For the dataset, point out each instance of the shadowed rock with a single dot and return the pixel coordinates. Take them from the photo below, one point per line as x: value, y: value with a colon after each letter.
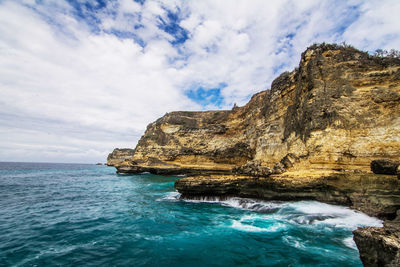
x: 384, y: 166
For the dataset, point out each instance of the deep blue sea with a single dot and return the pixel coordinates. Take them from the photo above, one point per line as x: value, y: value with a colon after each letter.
x: 87, y: 215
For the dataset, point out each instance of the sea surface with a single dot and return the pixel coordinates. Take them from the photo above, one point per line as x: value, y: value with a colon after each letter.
x: 87, y: 215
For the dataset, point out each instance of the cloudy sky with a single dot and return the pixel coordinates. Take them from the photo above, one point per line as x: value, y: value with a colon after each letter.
x: 79, y: 78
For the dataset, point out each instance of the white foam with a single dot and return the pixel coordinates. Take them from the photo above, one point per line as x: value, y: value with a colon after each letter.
x: 312, y: 213
x: 171, y: 196
x: 294, y: 242
x: 205, y: 199
x: 315, y: 207
x: 349, y: 242
x: 247, y: 228
x: 248, y: 224
x: 241, y: 203
x: 252, y: 204
x: 331, y: 215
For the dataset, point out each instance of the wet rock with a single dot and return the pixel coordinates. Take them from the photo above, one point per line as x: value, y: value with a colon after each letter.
x: 384, y: 166
x: 378, y: 246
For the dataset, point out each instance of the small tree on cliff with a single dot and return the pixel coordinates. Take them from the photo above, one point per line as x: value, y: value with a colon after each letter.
x: 392, y: 53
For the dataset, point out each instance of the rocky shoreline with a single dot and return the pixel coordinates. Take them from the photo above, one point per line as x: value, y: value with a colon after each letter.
x: 312, y: 136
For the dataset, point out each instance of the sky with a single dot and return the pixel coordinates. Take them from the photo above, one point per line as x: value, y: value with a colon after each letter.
x: 80, y: 78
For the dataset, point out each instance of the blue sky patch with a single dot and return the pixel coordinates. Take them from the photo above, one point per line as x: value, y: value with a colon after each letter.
x: 140, y: 1
x: 171, y: 25
x: 127, y: 35
x: 88, y: 10
x: 206, y: 97
x: 350, y: 16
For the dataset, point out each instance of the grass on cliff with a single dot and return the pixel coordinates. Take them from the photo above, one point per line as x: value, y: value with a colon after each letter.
x: 379, y: 53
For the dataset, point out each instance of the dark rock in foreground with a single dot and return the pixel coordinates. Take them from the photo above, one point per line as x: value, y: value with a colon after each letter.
x: 378, y: 246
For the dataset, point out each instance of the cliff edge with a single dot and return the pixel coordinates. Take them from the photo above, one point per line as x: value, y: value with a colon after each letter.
x: 313, y: 135
x: 119, y: 155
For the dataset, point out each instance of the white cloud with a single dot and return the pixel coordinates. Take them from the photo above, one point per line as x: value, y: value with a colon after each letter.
x: 378, y: 27
x: 66, y: 89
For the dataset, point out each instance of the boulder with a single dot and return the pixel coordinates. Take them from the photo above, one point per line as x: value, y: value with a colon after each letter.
x: 378, y: 246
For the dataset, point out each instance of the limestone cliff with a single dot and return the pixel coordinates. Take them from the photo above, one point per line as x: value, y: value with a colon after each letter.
x: 338, y: 111
x: 119, y: 155
x: 313, y: 135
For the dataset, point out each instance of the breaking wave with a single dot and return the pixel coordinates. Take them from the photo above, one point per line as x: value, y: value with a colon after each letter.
x: 256, y: 205
x: 273, y: 216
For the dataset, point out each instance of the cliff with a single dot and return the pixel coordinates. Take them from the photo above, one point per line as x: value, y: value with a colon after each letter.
x: 338, y: 111
x: 313, y: 135
x: 119, y: 155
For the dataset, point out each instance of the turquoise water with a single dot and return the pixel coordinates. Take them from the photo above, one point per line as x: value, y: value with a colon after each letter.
x: 75, y: 215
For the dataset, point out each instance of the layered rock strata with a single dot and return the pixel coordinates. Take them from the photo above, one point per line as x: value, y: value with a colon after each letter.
x: 313, y: 135
x: 338, y: 111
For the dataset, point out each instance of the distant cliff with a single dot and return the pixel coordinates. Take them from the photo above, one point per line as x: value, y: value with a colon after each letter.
x: 119, y: 155
x: 313, y: 135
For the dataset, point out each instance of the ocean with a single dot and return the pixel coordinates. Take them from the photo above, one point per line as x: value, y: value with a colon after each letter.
x: 87, y: 215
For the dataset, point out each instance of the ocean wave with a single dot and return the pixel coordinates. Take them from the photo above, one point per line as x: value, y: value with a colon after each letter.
x: 171, y: 196
x: 317, y: 213
x: 256, y: 205
x: 255, y: 223
x: 306, y: 213
x: 349, y: 242
x: 294, y: 242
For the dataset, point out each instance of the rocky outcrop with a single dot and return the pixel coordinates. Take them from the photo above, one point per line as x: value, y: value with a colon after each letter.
x: 119, y: 155
x: 378, y: 246
x: 313, y: 135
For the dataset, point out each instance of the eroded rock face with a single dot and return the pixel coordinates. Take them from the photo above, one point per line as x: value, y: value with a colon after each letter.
x: 119, y: 155
x: 378, y: 246
x: 312, y: 136
x: 339, y: 110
